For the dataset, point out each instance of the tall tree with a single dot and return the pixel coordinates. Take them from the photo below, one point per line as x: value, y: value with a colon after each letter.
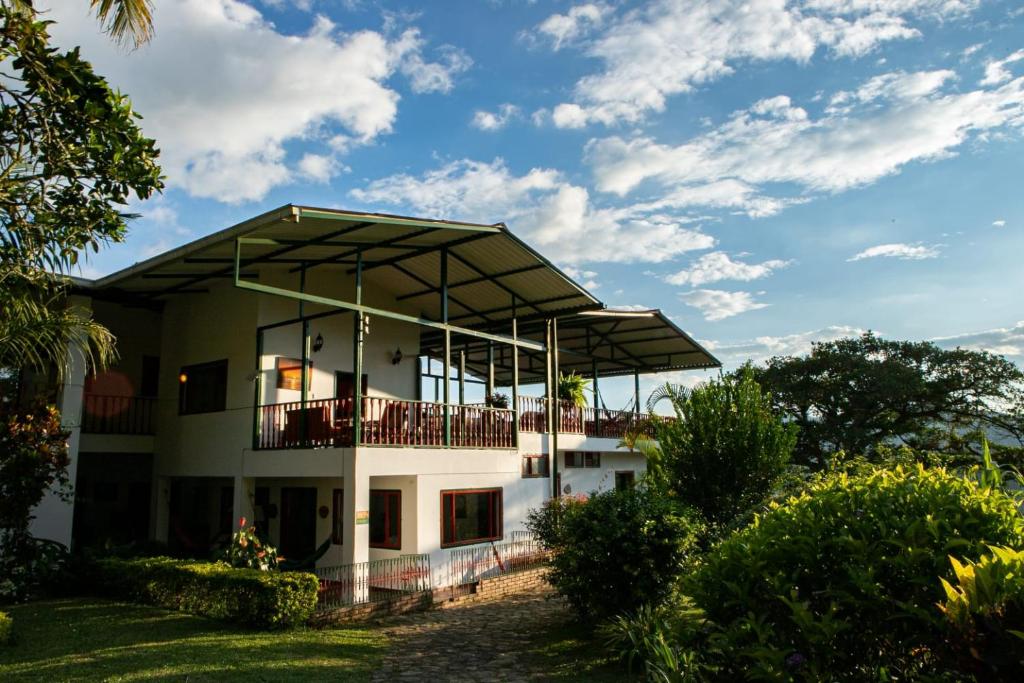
x: 852, y: 394
x: 71, y: 157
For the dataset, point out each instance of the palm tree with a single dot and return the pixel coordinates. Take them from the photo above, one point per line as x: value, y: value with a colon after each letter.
x: 126, y: 20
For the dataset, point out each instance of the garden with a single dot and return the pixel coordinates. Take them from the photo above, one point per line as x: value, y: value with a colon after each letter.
x: 757, y: 548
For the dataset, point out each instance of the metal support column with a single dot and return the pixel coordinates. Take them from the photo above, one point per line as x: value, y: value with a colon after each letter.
x: 557, y: 412
x: 597, y: 397
x: 515, y: 374
x: 304, y: 370
x: 257, y: 400
x: 358, y: 332
x: 636, y: 392
x: 447, y: 350
x: 462, y: 377
x: 490, y: 363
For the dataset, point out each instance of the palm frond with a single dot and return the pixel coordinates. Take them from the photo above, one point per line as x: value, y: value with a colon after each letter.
x: 126, y: 20
x: 673, y: 393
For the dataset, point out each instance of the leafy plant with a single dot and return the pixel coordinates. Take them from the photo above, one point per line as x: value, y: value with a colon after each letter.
x: 726, y: 449
x: 842, y: 580
x: 985, y: 609
x: 6, y: 627
x: 573, y: 388
x: 616, y: 550
x: 246, y: 550
x: 497, y: 400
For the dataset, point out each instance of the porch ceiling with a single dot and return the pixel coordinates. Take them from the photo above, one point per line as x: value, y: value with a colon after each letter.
x: 488, y: 266
x: 619, y: 342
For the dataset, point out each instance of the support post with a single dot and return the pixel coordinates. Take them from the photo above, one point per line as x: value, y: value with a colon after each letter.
x: 358, y: 328
x: 515, y: 373
x: 447, y: 350
x: 597, y: 398
x: 257, y: 401
x: 557, y: 413
x: 636, y: 392
x: 304, y: 371
x: 490, y: 360
x: 548, y: 397
x: 462, y: 377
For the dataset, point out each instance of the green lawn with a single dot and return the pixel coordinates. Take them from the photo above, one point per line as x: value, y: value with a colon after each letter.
x: 565, y: 653
x: 90, y: 639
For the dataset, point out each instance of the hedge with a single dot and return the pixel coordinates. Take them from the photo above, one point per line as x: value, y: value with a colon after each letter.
x: 262, y: 600
x: 6, y: 623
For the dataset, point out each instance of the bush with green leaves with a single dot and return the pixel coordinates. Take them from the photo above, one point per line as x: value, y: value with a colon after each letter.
x: 727, y: 448
x: 6, y: 626
x: 842, y: 581
x: 263, y: 600
x: 984, y: 607
x: 247, y: 551
x: 615, y: 550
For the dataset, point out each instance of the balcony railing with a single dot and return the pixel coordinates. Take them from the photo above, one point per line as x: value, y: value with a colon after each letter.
x: 384, y: 422
x: 612, y: 424
x: 118, y: 414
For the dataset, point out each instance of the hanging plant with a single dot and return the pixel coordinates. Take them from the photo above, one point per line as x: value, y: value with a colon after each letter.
x: 573, y: 388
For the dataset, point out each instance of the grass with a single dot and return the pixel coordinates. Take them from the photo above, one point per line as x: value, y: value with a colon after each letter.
x: 86, y: 639
x: 567, y: 653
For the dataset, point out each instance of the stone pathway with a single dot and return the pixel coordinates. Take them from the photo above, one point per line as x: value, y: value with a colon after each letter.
x: 469, y: 641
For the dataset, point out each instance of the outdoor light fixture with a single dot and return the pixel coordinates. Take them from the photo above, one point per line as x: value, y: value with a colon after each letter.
x: 183, y: 378
x: 397, y: 358
x: 318, y: 343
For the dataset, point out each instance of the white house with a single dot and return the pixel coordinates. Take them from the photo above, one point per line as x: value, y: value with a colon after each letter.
x: 236, y: 392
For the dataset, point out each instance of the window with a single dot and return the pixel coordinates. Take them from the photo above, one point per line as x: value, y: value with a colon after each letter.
x: 289, y: 373
x: 582, y: 459
x: 470, y: 516
x: 337, y: 516
x: 386, y: 519
x: 203, y: 388
x: 344, y: 385
x: 535, y: 466
x: 150, y: 376
x: 624, y: 480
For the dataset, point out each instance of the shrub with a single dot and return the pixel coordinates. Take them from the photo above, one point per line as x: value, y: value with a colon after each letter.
x: 615, y: 551
x: 985, y: 612
x: 6, y: 625
x: 264, y: 600
x: 247, y: 551
x: 727, y: 448
x: 843, y: 580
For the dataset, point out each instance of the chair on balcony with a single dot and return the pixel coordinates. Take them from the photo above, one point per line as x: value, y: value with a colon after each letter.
x: 317, y: 426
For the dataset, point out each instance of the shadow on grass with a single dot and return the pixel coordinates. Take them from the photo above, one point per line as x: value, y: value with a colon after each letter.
x: 88, y: 639
x: 565, y: 650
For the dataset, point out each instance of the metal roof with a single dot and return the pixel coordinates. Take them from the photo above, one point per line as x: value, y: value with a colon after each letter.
x: 489, y: 268
x: 618, y: 342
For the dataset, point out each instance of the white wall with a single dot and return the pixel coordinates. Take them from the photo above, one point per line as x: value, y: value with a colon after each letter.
x: 589, y: 479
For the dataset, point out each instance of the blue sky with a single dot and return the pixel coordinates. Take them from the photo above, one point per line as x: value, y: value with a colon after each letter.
x: 768, y: 173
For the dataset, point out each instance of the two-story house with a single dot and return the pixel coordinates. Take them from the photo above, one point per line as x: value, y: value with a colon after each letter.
x: 307, y: 369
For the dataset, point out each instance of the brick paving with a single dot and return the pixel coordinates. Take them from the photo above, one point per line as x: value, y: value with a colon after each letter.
x: 470, y: 640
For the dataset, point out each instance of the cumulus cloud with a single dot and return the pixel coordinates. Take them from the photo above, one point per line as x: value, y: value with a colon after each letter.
x: 587, y: 278
x: 562, y: 29
x: 717, y: 266
x: 775, y: 147
x: 996, y: 71
x: 488, y: 120
x: 224, y: 91
x: 1005, y: 341
x: 762, y: 348
x: 541, y: 206
x: 669, y: 47
x: 717, y: 304
x: 318, y: 167
x: 904, y: 252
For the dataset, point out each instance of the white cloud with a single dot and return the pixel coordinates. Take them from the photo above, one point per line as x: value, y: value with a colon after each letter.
x: 318, y: 167
x: 717, y: 266
x: 717, y: 304
x: 669, y: 47
x: 224, y: 91
x: 569, y: 116
x: 540, y: 205
x: 1005, y: 341
x: 487, y: 120
x: 904, y: 252
x: 562, y: 29
x: 999, y: 223
x: 996, y: 71
x: 587, y: 278
x: 864, y: 135
x: 760, y: 349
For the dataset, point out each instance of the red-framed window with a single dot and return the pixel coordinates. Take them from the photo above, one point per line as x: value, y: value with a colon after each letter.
x: 337, y: 516
x: 535, y: 466
x: 470, y: 516
x: 582, y: 459
x: 386, y: 519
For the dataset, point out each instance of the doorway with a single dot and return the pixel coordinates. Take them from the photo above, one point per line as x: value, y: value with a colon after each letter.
x: 298, y: 522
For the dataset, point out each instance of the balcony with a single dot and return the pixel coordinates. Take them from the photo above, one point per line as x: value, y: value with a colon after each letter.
x: 324, y: 423
x: 126, y: 415
x: 384, y: 422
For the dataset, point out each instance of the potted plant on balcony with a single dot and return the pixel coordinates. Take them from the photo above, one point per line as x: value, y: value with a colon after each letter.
x: 572, y: 395
x: 497, y: 400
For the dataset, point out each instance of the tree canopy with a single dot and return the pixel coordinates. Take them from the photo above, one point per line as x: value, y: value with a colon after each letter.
x: 72, y: 156
x: 851, y: 394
